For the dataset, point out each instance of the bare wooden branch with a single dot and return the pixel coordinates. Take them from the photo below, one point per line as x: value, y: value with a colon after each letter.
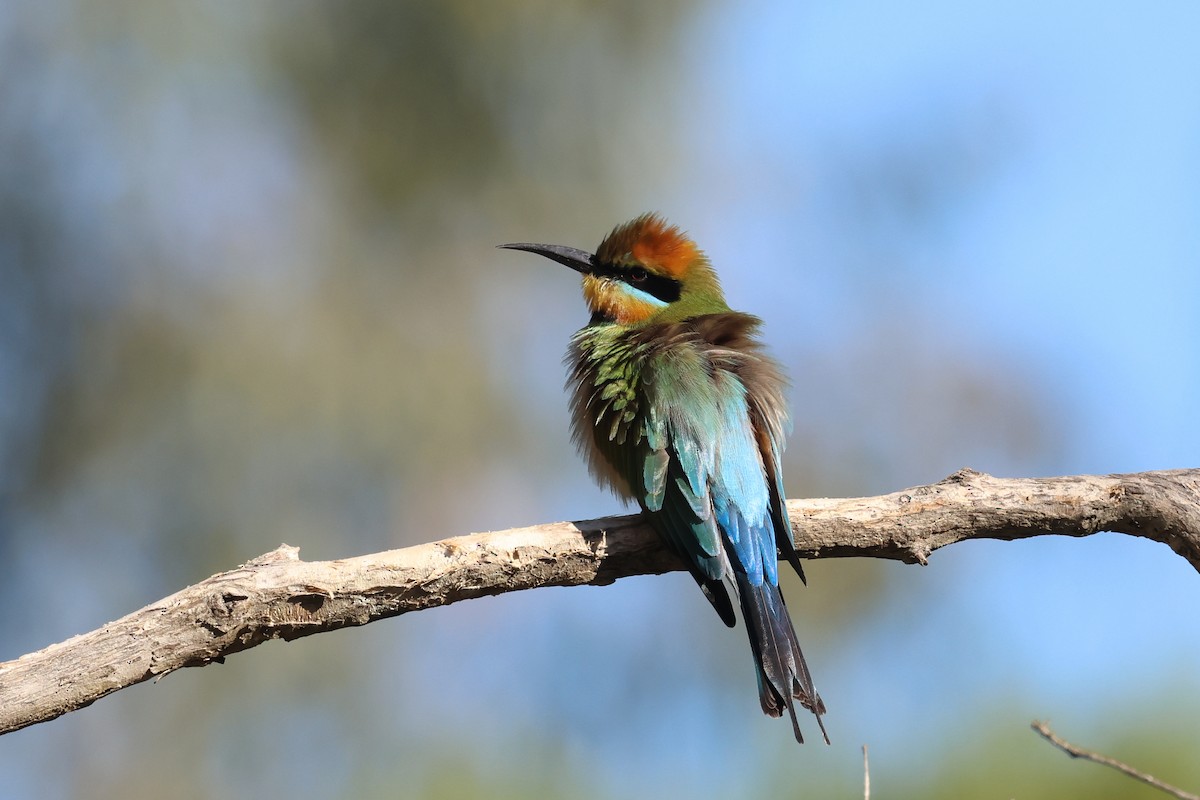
x: 278, y: 596
x: 1078, y: 752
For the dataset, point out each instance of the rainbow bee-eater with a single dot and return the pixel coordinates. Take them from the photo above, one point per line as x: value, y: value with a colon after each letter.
x: 676, y: 406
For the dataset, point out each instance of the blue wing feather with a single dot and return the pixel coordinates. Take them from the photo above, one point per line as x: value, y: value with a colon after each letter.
x: 700, y: 434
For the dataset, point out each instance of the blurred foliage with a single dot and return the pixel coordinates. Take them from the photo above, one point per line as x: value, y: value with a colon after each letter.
x: 248, y: 295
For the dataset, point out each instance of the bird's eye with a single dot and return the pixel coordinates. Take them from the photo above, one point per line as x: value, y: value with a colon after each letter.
x: 638, y: 274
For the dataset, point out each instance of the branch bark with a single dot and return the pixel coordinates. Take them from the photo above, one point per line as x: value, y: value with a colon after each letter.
x: 278, y: 596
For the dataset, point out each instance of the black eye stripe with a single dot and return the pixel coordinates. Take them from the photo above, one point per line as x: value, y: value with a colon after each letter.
x: 660, y: 286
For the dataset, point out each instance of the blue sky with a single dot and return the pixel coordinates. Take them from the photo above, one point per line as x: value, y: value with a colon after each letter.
x: 1077, y: 251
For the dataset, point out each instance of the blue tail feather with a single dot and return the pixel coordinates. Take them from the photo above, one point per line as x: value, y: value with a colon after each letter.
x: 783, y: 676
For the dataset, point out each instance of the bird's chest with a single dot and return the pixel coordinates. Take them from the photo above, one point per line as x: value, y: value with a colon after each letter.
x: 612, y: 382
x: 609, y: 376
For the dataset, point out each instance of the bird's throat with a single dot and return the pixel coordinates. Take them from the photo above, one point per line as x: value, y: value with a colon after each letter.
x: 619, y: 302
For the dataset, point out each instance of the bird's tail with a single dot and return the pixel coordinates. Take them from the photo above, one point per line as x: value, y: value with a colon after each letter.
x: 783, y: 677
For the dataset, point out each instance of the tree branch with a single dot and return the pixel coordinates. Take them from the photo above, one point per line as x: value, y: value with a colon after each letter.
x: 278, y: 596
x: 1075, y: 751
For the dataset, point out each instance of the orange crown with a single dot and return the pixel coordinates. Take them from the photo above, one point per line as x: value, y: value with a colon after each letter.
x: 651, y: 241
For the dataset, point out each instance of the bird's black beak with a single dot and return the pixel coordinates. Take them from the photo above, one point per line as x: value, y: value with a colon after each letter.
x: 578, y: 260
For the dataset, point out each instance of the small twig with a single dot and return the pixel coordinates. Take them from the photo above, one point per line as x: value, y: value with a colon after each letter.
x: 866, y: 776
x: 1078, y: 752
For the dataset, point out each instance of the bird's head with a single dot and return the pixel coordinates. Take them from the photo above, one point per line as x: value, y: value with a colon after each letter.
x: 644, y: 271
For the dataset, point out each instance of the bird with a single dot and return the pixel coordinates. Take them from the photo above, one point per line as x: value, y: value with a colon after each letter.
x: 676, y: 406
